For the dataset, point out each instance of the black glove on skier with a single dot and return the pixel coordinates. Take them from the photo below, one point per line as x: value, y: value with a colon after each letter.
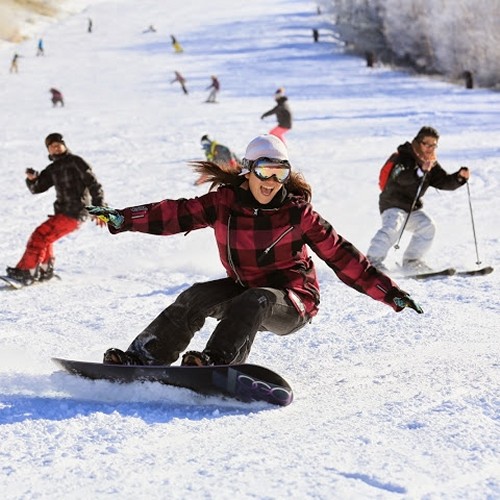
x: 407, y: 301
x: 107, y: 215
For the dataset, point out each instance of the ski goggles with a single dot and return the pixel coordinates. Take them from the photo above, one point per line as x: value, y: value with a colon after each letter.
x: 265, y: 168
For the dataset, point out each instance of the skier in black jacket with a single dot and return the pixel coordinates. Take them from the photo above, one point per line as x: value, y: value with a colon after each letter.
x: 415, y: 170
x: 283, y: 114
x: 76, y: 186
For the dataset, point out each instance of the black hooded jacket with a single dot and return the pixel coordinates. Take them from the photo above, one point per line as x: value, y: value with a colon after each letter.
x: 406, y: 177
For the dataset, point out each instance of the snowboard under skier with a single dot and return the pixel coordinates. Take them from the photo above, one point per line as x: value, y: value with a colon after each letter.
x: 263, y: 220
x: 76, y: 186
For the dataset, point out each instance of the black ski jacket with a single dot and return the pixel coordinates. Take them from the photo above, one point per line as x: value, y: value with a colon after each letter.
x: 406, y: 177
x: 75, y: 184
x: 282, y: 112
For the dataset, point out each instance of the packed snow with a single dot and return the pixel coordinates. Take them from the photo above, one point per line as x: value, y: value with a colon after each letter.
x: 386, y: 405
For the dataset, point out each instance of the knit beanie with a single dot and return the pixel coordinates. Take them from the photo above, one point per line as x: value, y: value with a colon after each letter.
x: 54, y: 137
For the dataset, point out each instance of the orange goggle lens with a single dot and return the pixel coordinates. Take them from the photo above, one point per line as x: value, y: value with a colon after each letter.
x: 265, y: 170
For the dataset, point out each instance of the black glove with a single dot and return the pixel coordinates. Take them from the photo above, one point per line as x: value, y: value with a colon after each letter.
x: 407, y: 301
x: 106, y: 214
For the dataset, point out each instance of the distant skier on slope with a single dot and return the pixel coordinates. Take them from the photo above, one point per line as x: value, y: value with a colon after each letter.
x: 218, y: 154
x: 214, y: 88
x: 176, y: 45
x: 57, y: 97
x: 283, y: 114
x: 182, y: 81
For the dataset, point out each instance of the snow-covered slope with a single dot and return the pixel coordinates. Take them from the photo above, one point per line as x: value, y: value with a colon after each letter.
x: 387, y: 405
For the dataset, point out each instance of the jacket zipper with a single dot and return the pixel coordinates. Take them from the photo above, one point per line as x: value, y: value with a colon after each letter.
x: 229, y: 257
x: 275, y: 242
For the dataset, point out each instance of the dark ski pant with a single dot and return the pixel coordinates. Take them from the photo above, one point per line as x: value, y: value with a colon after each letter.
x: 241, y: 312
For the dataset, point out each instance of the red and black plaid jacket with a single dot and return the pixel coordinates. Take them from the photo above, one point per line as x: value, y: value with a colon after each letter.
x: 262, y: 247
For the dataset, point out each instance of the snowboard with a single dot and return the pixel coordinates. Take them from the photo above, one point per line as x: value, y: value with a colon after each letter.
x: 11, y: 283
x: 17, y: 285
x: 244, y: 382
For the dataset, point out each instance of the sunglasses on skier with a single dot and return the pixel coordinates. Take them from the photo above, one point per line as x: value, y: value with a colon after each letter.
x: 432, y: 145
x: 265, y: 168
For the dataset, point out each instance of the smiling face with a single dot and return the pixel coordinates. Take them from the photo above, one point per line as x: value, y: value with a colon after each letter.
x: 426, y: 147
x: 56, y: 148
x: 263, y: 190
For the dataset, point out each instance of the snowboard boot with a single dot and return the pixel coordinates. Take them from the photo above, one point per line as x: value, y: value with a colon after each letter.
x: 205, y: 358
x: 118, y: 357
x: 24, y: 276
x: 46, y: 271
x: 195, y: 358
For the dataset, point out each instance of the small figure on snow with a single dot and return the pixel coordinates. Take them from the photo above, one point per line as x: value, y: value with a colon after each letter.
x: 219, y: 154
x: 405, y: 177
x: 150, y: 29
x: 263, y: 222
x: 283, y: 114
x: 469, y: 79
x: 176, y: 45
x: 370, y: 58
x: 14, y: 68
x: 214, y: 88
x: 90, y: 25
x: 39, y: 50
x: 179, y: 78
x: 57, y: 97
x: 75, y: 185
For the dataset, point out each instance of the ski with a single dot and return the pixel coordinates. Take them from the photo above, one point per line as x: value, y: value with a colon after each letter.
x: 476, y: 272
x: 450, y: 271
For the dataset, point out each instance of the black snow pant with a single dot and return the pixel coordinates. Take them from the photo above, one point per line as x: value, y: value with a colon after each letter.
x: 241, y: 312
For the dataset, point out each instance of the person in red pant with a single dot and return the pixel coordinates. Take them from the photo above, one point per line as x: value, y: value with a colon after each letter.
x: 75, y: 185
x: 283, y: 114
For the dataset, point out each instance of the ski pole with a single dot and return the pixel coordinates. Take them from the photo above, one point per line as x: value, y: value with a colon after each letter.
x: 478, y: 261
x: 420, y: 186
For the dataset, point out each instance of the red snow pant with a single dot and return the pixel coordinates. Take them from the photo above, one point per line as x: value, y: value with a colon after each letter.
x: 39, y: 249
x: 279, y: 132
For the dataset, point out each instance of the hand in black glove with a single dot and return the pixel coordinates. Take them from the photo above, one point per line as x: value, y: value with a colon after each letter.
x: 31, y: 174
x: 107, y: 215
x: 407, y: 301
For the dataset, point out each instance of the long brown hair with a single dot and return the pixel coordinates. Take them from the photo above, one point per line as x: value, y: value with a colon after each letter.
x: 223, y: 174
